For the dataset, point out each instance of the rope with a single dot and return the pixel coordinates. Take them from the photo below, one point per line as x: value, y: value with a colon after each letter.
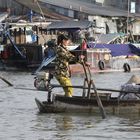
x: 42, y: 16
x: 40, y: 10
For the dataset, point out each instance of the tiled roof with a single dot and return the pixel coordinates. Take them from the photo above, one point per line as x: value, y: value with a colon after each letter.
x: 42, y: 10
x: 89, y: 8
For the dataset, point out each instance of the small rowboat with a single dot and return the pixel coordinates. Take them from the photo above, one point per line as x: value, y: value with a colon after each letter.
x: 78, y: 104
x: 91, y: 101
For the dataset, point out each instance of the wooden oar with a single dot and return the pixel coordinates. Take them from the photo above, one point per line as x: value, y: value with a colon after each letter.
x: 79, y: 87
x: 91, y: 83
x: 97, y: 96
x: 3, y: 79
x: 33, y: 89
x: 99, y: 89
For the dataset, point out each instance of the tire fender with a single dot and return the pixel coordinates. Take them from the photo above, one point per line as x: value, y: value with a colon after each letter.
x: 126, y: 67
x: 101, y: 65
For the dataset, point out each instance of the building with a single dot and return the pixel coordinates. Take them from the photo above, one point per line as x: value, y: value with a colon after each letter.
x: 61, y: 6
x: 109, y: 15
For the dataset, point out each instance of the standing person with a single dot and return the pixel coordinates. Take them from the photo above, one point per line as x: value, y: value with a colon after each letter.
x: 63, y: 57
x: 45, y: 50
x: 83, y: 44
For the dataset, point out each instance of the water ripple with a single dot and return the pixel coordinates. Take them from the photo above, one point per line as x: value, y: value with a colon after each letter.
x: 20, y: 120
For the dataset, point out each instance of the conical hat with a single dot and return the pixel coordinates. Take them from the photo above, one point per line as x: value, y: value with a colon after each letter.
x: 134, y: 79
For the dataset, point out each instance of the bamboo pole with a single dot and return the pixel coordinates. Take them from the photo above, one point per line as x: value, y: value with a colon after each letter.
x: 3, y: 79
x: 98, y: 89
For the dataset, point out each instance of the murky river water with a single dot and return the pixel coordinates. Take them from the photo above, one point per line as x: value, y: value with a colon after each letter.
x: 20, y: 120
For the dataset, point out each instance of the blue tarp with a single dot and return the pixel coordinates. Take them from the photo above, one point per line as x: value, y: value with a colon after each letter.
x: 134, y: 49
x: 118, y: 49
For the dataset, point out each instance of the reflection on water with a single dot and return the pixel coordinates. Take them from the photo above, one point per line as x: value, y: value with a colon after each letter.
x: 19, y: 117
x: 81, y: 127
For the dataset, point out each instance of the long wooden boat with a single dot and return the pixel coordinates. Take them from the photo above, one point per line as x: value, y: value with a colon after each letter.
x: 78, y: 104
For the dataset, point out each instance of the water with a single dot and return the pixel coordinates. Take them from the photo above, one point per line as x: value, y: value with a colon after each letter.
x: 20, y: 120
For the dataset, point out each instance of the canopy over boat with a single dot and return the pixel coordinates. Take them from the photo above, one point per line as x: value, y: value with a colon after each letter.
x: 118, y: 49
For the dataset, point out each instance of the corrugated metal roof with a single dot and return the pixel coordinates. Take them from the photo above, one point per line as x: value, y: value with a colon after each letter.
x: 89, y: 8
x: 107, y: 38
x: 70, y: 25
x: 42, y: 10
x: 76, y: 5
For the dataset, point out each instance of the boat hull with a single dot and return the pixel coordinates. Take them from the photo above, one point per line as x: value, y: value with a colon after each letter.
x: 62, y: 104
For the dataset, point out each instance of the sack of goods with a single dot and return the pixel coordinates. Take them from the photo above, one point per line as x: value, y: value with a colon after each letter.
x: 41, y: 81
x: 133, y: 85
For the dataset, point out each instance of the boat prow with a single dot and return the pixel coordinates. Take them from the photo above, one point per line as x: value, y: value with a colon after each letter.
x: 40, y: 105
x: 48, y: 107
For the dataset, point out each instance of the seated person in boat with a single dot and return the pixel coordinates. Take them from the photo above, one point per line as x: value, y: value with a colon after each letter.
x: 63, y: 57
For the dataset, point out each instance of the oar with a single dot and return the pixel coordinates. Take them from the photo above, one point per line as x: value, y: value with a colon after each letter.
x: 91, y: 83
x: 79, y: 87
x: 33, y: 89
x: 97, y: 97
x: 100, y: 89
x: 3, y: 79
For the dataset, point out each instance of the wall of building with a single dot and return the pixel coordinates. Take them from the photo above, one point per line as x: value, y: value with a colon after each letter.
x: 100, y: 1
x: 91, y: 1
x: 122, y: 4
x: 116, y: 3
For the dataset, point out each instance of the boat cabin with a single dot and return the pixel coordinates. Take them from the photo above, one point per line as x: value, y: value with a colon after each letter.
x: 20, y: 46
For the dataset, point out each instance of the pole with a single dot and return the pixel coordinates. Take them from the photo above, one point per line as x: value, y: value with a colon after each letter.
x: 91, y: 83
x: 6, y: 81
x: 99, y: 89
x: 128, y: 7
x: 81, y: 87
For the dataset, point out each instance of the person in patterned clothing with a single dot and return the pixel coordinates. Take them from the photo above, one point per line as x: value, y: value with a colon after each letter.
x: 63, y: 57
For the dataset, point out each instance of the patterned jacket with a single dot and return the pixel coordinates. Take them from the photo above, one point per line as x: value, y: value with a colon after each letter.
x: 63, y: 57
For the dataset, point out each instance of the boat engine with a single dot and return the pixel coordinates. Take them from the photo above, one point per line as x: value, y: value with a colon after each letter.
x: 42, y: 81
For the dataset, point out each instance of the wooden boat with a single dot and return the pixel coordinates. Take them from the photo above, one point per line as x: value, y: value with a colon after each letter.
x: 91, y: 101
x: 78, y: 104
